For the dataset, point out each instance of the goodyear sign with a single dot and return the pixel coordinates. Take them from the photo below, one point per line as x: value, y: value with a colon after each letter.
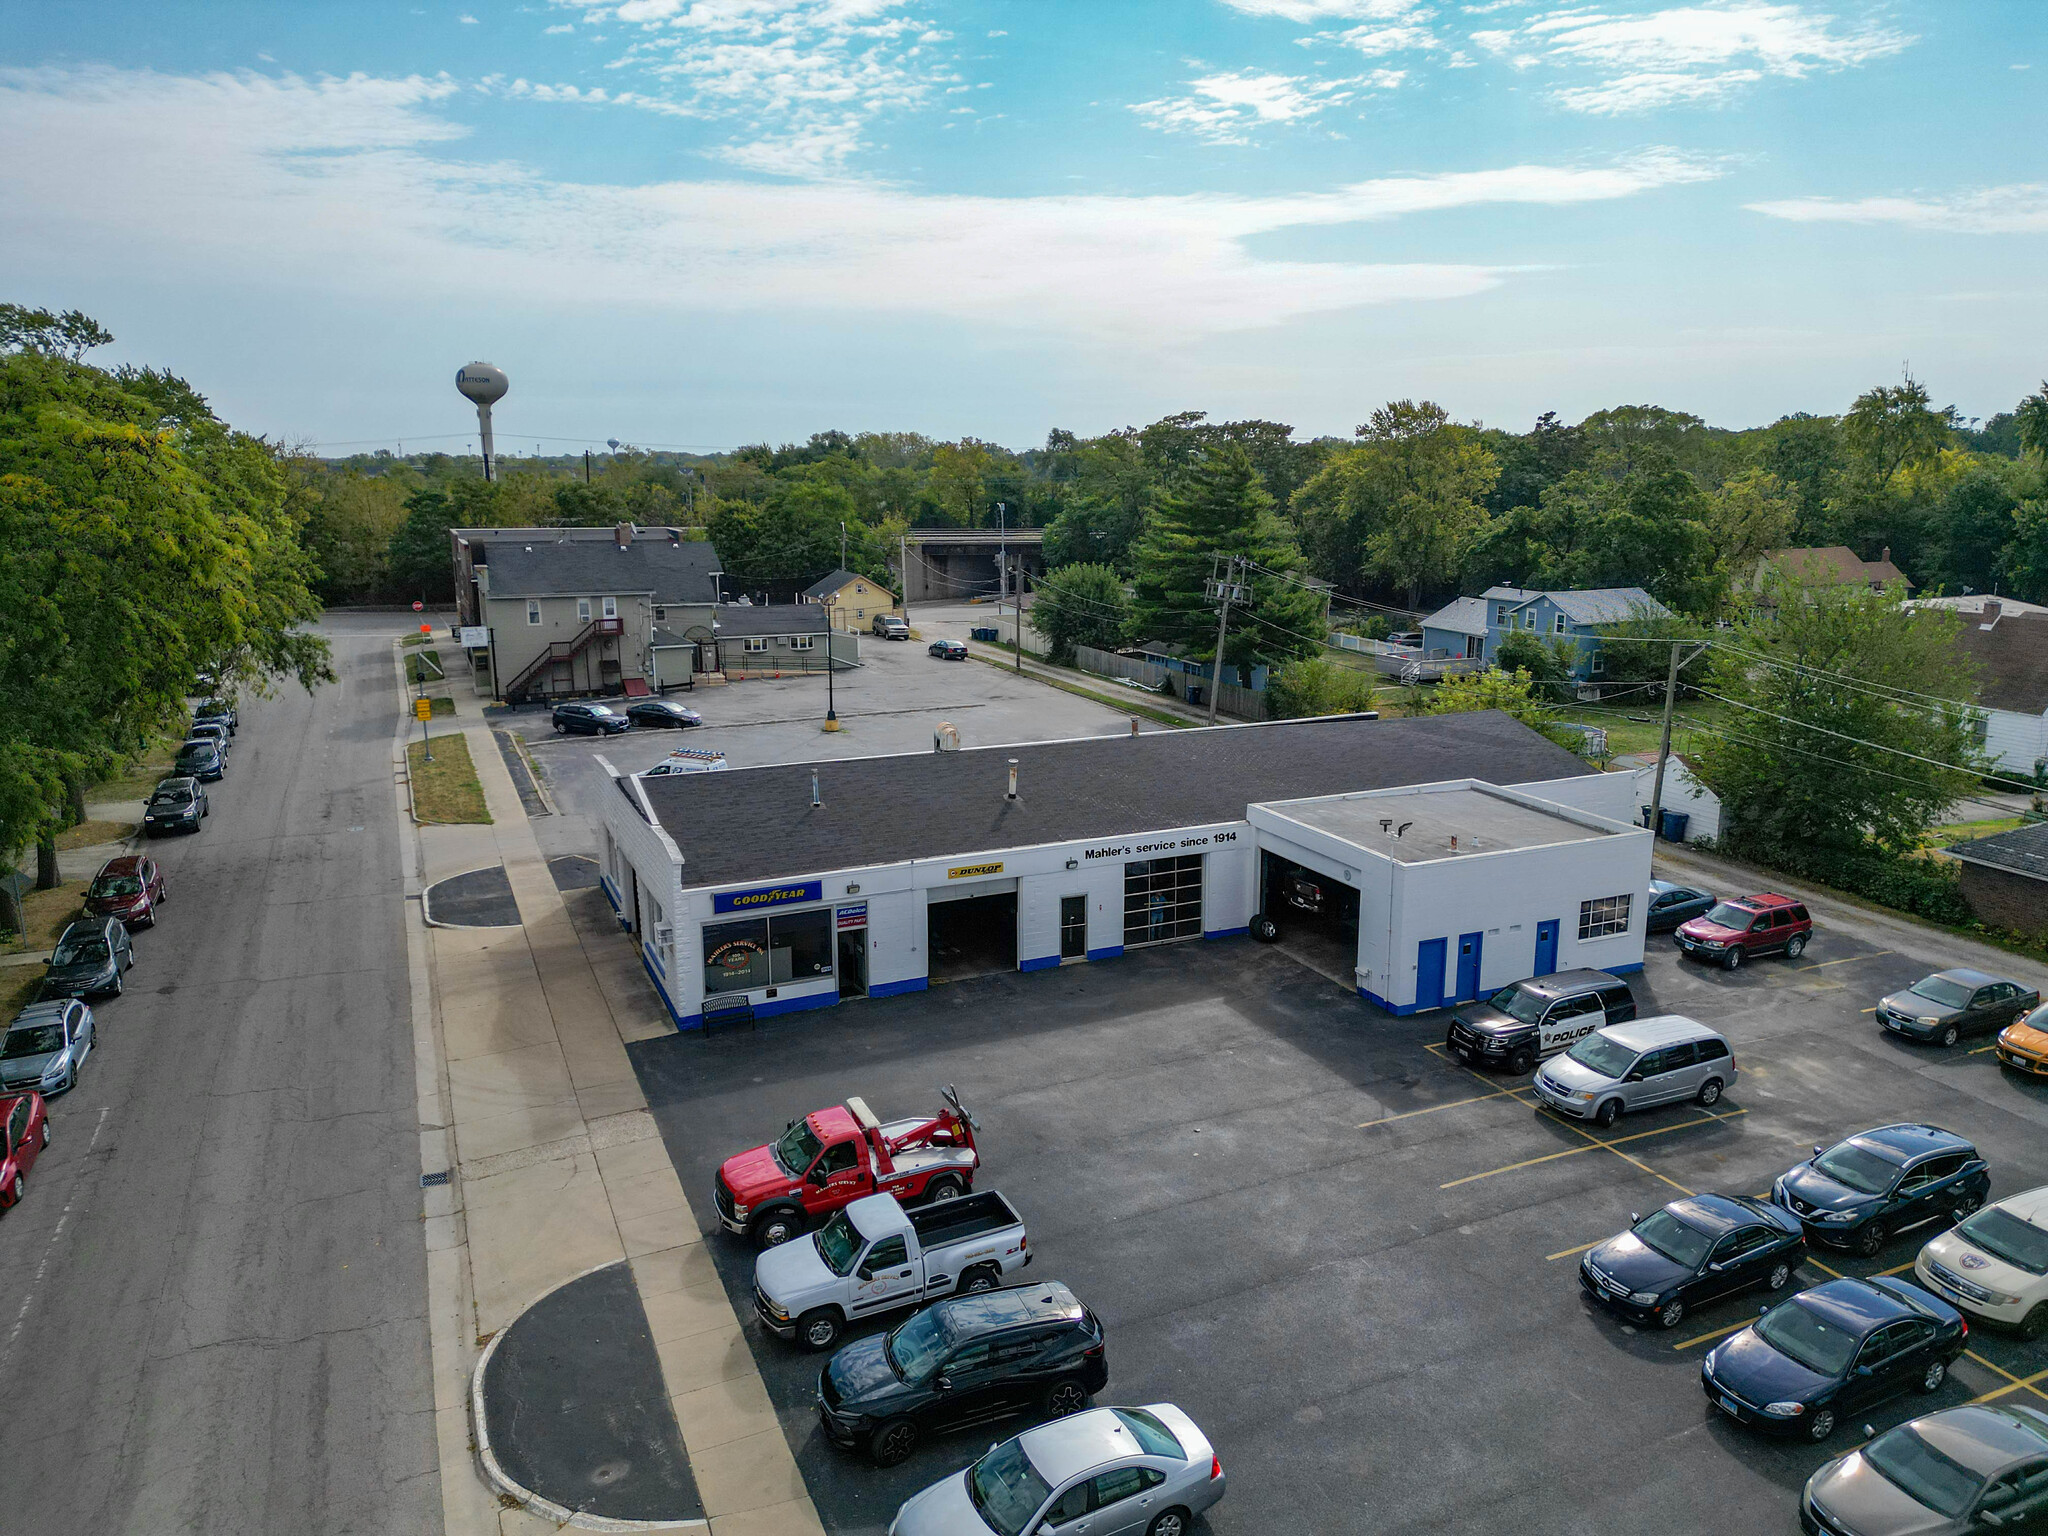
x: 974, y: 871
x: 767, y: 896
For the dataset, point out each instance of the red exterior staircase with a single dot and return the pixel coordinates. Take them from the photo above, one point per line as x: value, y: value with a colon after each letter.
x: 558, y: 652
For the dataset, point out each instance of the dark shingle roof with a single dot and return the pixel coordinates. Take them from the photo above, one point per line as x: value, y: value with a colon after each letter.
x: 674, y: 573
x: 736, y: 620
x: 830, y: 584
x: 757, y: 823
x: 2012, y: 660
x: 2022, y: 851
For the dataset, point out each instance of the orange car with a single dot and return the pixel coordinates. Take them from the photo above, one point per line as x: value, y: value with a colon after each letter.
x: 2024, y: 1046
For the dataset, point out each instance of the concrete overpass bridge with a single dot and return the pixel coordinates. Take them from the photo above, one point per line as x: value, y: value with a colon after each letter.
x: 953, y: 564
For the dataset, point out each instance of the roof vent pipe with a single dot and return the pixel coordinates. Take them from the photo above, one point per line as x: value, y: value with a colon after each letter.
x: 817, y: 800
x: 1402, y: 830
x: 1013, y: 779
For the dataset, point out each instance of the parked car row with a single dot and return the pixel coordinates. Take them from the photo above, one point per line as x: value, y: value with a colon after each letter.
x: 592, y: 719
x: 855, y: 1220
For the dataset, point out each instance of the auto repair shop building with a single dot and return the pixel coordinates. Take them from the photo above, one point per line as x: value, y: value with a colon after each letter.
x: 1424, y: 861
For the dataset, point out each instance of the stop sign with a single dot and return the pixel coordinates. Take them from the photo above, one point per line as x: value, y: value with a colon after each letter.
x: 417, y: 605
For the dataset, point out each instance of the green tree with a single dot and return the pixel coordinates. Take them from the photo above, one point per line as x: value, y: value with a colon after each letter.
x: 2031, y: 420
x: 1110, y: 491
x: 1849, y: 722
x: 1512, y: 693
x: 419, y: 559
x: 349, y: 526
x: 1546, y: 663
x: 1750, y: 515
x: 1080, y: 605
x: 1218, y: 510
x: 1316, y: 685
x: 2024, y: 560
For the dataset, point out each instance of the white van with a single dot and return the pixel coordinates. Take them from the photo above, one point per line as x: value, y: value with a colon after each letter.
x: 1637, y: 1065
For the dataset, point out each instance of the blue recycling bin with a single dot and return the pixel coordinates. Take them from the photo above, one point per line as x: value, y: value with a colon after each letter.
x: 1675, y: 823
x: 983, y: 632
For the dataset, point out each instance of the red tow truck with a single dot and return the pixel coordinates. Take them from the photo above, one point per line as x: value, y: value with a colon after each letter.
x: 832, y: 1157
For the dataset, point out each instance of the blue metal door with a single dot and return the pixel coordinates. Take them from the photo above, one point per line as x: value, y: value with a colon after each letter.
x: 1468, y: 966
x: 1429, y: 973
x: 1546, y: 948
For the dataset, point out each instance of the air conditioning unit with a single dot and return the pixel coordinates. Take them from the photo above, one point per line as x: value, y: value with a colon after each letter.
x: 664, y: 935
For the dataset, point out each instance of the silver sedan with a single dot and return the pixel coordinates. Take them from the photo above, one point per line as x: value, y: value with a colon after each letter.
x: 1109, y: 1471
x: 1970, y: 1469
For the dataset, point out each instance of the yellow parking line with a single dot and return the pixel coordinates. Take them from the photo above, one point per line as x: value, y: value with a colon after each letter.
x: 2018, y: 1384
x: 1568, y: 1252
x: 1980, y: 1050
x: 1823, y: 964
x: 1867, y: 1010
x: 1896, y: 1269
x: 1594, y: 1144
x: 1432, y: 1109
x: 1816, y: 1263
x: 1716, y: 1334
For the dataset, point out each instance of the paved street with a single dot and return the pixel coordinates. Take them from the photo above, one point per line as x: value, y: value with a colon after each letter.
x: 212, y: 1299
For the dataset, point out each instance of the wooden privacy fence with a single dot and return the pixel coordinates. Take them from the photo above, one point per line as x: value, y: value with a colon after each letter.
x: 1231, y: 699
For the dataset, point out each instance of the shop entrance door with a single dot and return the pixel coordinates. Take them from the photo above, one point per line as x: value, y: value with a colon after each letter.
x: 1073, y: 927
x: 853, y: 962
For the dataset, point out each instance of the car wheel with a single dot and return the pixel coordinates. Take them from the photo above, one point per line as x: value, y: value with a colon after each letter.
x: 1732, y: 961
x: 774, y: 1228
x: 1781, y: 1275
x: 1168, y: 1522
x: 976, y: 1280
x: 1794, y: 946
x: 944, y: 1187
x: 1710, y: 1093
x: 2035, y: 1324
x: 1605, y: 1115
x: 1932, y: 1378
x: 818, y: 1330
x: 120, y: 984
x: 1265, y: 930
x: 1950, y: 1034
x: 892, y: 1444
x: 1821, y: 1425
x: 46, y: 1124
x: 1870, y: 1239
x: 1065, y: 1397
x: 14, y: 1190
x: 1964, y: 1204
x: 1522, y: 1061
x: 1671, y: 1314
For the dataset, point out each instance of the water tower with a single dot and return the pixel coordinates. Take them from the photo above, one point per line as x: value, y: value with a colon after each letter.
x: 485, y: 384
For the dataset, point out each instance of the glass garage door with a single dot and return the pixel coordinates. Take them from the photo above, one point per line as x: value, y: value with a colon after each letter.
x: 1162, y: 900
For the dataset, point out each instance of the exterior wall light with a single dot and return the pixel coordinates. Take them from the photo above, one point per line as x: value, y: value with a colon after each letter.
x: 1073, y: 863
x: 853, y: 890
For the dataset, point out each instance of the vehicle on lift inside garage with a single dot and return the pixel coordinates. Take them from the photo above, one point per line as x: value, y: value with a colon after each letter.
x: 832, y: 1157
x: 1537, y: 1017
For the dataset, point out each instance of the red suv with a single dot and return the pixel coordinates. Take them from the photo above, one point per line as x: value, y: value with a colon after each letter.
x: 1739, y: 930
x: 129, y: 888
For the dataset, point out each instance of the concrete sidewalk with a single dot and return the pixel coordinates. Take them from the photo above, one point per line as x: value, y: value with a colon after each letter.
x: 528, y: 1100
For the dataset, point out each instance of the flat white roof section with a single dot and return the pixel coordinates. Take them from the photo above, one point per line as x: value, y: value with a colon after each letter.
x: 1419, y: 826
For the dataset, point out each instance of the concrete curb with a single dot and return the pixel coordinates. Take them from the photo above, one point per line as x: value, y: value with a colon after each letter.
x: 501, y: 1480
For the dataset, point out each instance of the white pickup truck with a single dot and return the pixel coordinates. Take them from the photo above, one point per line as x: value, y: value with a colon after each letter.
x: 873, y: 1256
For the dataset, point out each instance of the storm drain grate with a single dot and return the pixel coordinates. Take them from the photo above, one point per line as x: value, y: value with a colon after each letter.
x: 430, y: 1180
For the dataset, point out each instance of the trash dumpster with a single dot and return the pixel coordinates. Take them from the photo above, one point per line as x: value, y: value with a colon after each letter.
x: 983, y: 632
x: 1675, y: 823
x: 1195, y: 693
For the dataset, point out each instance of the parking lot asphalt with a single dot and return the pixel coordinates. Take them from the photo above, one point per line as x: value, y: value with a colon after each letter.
x: 1352, y: 1260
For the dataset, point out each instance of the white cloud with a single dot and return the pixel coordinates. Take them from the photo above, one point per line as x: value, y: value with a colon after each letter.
x: 2020, y: 209
x: 1688, y: 53
x: 559, y: 30
x: 467, y: 21
x: 334, y: 190
x: 1373, y: 41
x: 1224, y: 108
x: 1302, y: 12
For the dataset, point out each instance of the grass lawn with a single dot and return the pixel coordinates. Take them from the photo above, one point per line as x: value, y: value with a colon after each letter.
x: 18, y: 988
x: 424, y: 667
x: 416, y: 638
x: 1963, y: 831
x: 446, y: 790
x: 87, y: 833
x: 45, y: 913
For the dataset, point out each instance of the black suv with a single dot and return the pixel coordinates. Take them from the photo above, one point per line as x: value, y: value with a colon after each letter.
x: 963, y: 1361
x: 1536, y: 1017
x: 1864, y: 1191
x: 590, y: 720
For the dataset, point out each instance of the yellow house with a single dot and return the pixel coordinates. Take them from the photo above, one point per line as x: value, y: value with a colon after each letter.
x: 853, y: 601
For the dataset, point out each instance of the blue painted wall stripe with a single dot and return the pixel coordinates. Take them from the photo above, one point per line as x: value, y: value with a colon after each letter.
x: 1110, y: 952
x: 892, y: 988
x: 1038, y: 965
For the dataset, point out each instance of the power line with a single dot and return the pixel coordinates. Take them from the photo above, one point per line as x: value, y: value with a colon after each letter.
x: 1859, y: 741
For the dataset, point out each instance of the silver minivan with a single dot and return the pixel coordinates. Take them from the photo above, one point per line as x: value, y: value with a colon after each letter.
x: 1637, y: 1065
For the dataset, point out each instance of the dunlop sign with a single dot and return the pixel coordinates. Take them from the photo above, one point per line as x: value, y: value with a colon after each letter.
x: 767, y: 896
x: 974, y: 871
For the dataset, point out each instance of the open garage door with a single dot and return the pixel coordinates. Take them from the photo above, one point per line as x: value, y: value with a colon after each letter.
x: 1317, y: 915
x: 971, y: 935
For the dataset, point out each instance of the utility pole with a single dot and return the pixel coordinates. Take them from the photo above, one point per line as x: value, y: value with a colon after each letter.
x: 903, y: 571
x: 586, y: 466
x: 1664, y: 744
x: 1020, y: 615
x: 1227, y: 588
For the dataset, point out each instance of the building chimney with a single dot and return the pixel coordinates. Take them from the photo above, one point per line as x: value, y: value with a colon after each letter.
x: 817, y: 800
x: 623, y: 534
x: 1884, y: 556
x: 1013, y: 780
x: 1991, y: 610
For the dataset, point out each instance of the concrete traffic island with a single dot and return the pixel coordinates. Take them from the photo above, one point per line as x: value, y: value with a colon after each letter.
x: 572, y: 1412
x: 476, y: 898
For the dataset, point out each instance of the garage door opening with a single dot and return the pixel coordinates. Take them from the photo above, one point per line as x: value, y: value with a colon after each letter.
x: 1317, y: 915
x: 972, y: 937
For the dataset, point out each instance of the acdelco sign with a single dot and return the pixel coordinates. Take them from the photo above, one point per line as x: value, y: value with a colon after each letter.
x: 767, y: 896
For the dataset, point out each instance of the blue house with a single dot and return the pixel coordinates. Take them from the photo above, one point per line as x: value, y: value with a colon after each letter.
x: 1475, y: 626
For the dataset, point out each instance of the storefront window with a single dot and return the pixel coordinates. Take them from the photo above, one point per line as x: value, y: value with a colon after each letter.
x: 767, y: 951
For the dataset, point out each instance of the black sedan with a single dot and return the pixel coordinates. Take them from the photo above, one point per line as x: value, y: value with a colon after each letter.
x: 178, y: 805
x: 200, y: 759
x: 1671, y: 905
x: 963, y: 1361
x: 1944, y: 1007
x: 1695, y: 1250
x: 589, y: 720
x: 662, y: 715
x: 1830, y: 1351
x: 948, y: 650
x: 1864, y: 1191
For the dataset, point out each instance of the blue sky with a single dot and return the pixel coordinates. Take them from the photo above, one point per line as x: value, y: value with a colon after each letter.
x: 707, y: 222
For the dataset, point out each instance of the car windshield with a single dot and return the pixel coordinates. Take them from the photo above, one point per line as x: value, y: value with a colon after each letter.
x: 2004, y: 1236
x: 1728, y: 915
x: 1602, y: 1055
x: 1939, y: 989
x: 1517, y: 1004
x: 600, y: 709
x: 1006, y: 1489
x: 839, y: 1244
x: 915, y: 1346
x: 170, y: 797
x: 195, y: 751
x: 1153, y: 1437
x: 79, y: 952
x: 1674, y: 1239
x: 1806, y: 1337
x: 796, y: 1149
x: 40, y: 1041
x: 1921, y: 1472
x: 1860, y: 1169
x: 116, y: 885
